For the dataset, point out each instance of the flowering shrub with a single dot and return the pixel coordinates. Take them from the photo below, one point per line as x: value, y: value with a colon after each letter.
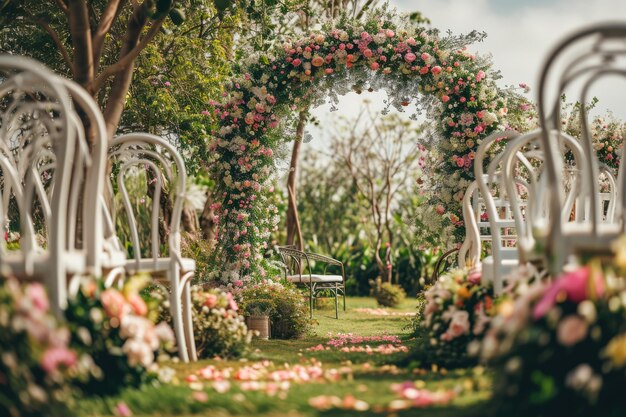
x: 117, y: 328
x: 289, y: 312
x: 348, y: 342
x: 36, y: 361
x: 219, y: 327
x: 382, y: 51
x: 389, y: 295
x: 559, y: 348
x: 608, y: 140
x: 455, y: 311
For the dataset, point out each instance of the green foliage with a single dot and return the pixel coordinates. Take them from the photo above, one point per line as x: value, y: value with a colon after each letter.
x: 389, y: 295
x: 219, y: 328
x: 289, y: 312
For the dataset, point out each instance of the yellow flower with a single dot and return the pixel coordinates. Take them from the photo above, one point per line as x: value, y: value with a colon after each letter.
x: 619, y: 248
x: 463, y: 292
x: 616, y: 350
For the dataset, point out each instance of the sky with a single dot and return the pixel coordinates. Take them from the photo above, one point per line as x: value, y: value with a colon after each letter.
x: 520, y: 33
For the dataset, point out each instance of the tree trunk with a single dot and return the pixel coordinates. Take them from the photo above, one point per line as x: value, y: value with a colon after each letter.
x: 292, y: 208
x: 208, y: 226
x: 190, y: 221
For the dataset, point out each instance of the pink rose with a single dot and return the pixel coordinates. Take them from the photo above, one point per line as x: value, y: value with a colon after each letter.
x: 232, y: 304
x: 368, y: 53
x: 36, y: 294
x: 210, y: 300
x: 317, y: 61
x: 575, y: 286
x: 474, y: 277
x: 390, y: 33
x: 571, y: 330
x: 445, y: 98
x: 459, y: 325
x: 480, y: 76
x: 440, y: 209
x: 138, y: 305
x: 436, y: 70
x: 122, y: 410
x: 56, y: 356
x: 296, y: 62
x: 374, y: 66
x: 410, y: 57
x: 114, y: 303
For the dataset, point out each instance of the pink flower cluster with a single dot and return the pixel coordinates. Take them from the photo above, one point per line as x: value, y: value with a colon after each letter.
x: 32, y: 314
x: 413, y: 397
x: 265, y: 376
x: 342, y: 339
x: 390, y: 344
x: 127, y: 310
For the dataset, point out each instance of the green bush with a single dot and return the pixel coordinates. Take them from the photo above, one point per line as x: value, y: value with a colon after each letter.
x: 390, y: 295
x: 289, y: 312
x: 219, y: 327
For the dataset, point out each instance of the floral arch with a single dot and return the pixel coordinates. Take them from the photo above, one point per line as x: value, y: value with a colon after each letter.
x: 385, y: 51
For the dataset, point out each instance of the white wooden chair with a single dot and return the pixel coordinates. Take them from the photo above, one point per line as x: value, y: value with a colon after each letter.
x: 87, y: 186
x: 500, y: 220
x: 600, y: 53
x: 524, y: 158
x: 37, y: 142
x: 163, y: 167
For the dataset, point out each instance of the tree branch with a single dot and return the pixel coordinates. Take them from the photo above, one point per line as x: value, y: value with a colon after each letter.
x: 109, y: 15
x: 62, y: 6
x: 55, y: 37
x: 129, y: 58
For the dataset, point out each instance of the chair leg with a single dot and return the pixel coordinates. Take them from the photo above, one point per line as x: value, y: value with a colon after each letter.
x: 336, y: 303
x: 179, y: 329
x: 344, y: 298
x: 188, y: 322
x: 311, y: 302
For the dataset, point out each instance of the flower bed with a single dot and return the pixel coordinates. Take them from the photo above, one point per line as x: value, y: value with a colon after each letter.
x: 219, y: 328
x: 117, y: 329
x: 455, y: 312
x: 37, y: 364
x: 558, y: 348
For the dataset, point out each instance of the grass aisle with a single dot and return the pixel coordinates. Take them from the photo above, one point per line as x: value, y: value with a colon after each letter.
x: 326, y: 382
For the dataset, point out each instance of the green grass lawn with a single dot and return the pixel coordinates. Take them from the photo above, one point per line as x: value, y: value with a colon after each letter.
x: 365, y: 377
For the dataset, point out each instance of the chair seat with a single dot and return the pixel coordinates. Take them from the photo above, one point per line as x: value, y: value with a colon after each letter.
x: 158, y: 265
x: 13, y: 263
x: 315, y: 278
x: 113, y: 259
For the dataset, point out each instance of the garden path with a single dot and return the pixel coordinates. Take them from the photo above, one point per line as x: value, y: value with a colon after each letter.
x: 326, y: 373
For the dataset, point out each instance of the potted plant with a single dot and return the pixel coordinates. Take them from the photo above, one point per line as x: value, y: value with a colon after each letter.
x: 258, y: 316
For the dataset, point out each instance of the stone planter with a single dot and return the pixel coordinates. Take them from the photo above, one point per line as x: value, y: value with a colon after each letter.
x: 260, y: 324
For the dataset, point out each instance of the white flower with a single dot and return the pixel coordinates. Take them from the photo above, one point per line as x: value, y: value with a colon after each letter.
x: 138, y: 352
x: 490, y: 118
x: 195, y: 196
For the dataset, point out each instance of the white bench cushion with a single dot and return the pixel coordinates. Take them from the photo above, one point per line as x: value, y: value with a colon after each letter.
x: 315, y: 278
